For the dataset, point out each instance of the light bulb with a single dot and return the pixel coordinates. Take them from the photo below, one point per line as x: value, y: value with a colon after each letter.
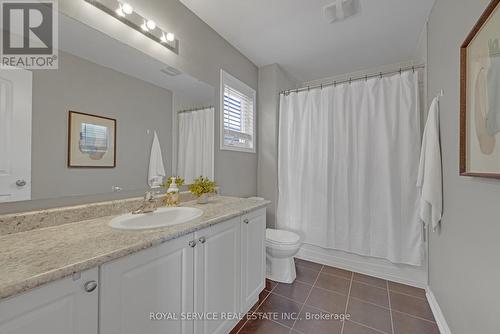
x: 151, y: 25
x: 170, y: 37
x: 127, y: 8
x: 119, y: 12
x: 144, y: 26
x: 163, y: 39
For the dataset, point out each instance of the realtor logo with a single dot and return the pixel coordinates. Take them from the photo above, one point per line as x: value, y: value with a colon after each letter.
x: 29, y: 34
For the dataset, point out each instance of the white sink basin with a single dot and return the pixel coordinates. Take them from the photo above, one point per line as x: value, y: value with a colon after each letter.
x: 162, y: 217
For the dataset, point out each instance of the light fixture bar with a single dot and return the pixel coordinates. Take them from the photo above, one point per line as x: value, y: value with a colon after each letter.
x: 150, y: 30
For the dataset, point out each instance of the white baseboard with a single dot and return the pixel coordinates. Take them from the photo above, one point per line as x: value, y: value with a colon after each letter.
x: 414, y: 276
x: 438, y: 314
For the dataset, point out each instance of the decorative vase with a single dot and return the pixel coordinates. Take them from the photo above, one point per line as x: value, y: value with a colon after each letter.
x: 203, y: 199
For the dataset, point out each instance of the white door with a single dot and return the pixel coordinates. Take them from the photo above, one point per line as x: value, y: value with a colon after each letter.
x: 15, y: 135
x: 61, y: 307
x: 148, y: 292
x: 217, y: 277
x: 253, y: 257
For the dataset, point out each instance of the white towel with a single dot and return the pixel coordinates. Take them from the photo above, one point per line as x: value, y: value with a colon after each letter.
x: 156, y: 172
x: 430, y: 178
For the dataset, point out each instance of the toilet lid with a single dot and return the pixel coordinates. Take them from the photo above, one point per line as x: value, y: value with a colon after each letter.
x: 281, y: 236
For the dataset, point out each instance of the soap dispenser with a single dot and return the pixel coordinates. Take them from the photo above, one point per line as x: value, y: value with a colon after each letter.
x: 173, y: 193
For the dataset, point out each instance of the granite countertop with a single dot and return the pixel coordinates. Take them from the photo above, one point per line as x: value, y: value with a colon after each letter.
x: 32, y: 258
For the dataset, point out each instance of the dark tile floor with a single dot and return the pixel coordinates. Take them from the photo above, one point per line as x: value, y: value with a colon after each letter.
x: 322, y: 294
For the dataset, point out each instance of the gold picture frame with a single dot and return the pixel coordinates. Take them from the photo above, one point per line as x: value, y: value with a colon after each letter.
x: 480, y: 97
x: 91, y: 141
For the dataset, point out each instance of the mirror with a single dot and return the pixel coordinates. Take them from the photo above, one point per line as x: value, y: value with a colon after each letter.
x: 88, y: 127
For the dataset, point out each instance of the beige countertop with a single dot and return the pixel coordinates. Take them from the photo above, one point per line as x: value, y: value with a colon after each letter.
x: 32, y: 258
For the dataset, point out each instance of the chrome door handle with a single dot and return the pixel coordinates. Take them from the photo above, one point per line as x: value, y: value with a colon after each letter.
x: 192, y: 243
x: 20, y: 183
x: 246, y: 221
x: 202, y: 240
x: 90, y: 286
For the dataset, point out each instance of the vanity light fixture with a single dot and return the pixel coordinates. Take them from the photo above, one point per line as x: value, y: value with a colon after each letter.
x: 119, y: 11
x: 151, y: 24
x: 169, y: 37
x: 127, y: 8
x: 125, y: 13
x: 124, y: 9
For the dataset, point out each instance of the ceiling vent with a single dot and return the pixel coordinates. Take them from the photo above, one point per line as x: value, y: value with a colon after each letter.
x: 172, y: 71
x: 340, y: 10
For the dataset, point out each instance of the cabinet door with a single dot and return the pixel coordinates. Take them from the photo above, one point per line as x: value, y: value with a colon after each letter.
x: 217, y: 277
x: 61, y: 307
x: 253, y: 257
x: 148, y: 292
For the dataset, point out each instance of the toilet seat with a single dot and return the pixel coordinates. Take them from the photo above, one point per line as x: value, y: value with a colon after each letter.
x: 281, y: 237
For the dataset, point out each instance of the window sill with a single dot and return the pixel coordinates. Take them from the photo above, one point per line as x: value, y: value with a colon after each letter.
x: 238, y: 149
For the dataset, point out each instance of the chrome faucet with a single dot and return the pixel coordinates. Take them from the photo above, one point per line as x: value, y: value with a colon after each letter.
x: 148, y: 204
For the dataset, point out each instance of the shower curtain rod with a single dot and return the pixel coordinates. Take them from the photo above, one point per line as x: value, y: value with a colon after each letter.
x: 364, y: 77
x: 194, y: 109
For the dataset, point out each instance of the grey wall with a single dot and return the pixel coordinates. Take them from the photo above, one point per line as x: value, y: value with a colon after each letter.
x: 83, y: 86
x: 202, y: 54
x: 464, y: 268
x: 272, y: 80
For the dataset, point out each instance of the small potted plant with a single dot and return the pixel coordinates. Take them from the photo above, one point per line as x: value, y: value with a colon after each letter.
x: 201, y: 187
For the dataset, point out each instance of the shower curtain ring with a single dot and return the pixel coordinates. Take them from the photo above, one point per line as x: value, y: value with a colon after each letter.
x: 400, y: 71
x: 350, y: 81
x: 366, y: 78
x: 380, y: 75
x: 335, y: 84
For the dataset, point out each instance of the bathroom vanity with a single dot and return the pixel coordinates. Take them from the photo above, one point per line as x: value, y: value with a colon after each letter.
x: 97, y: 279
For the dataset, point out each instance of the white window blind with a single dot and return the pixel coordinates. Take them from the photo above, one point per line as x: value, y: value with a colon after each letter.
x: 238, y: 116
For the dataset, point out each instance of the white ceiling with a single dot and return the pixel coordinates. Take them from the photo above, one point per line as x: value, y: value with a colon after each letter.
x: 295, y: 34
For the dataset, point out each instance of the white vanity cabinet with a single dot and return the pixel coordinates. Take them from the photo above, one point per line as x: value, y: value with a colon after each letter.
x: 209, y: 276
x: 157, y: 281
x: 195, y: 284
x: 66, y: 306
x: 217, y: 277
x: 253, y: 257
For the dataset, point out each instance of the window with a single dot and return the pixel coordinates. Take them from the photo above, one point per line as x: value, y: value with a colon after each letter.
x: 237, y: 115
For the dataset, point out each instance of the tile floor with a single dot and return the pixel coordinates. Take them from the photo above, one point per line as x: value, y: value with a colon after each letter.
x: 375, y: 306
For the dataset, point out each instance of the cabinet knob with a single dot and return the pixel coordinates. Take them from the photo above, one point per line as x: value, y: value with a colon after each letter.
x: 90, y: 286
x: 20, y: 183
x: 192, y: 243
x: 202, y: 240
x: 246, y: 221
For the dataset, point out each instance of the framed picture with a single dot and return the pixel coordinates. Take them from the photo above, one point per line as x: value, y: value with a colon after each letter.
x: 480, y: 97
x: 91, y: 141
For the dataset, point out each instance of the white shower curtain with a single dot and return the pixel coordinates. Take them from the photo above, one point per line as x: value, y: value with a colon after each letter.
x: 196, y: 144
x: 348, y: 160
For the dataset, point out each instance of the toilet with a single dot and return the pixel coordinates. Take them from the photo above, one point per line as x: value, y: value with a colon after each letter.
x: 281, y: 246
